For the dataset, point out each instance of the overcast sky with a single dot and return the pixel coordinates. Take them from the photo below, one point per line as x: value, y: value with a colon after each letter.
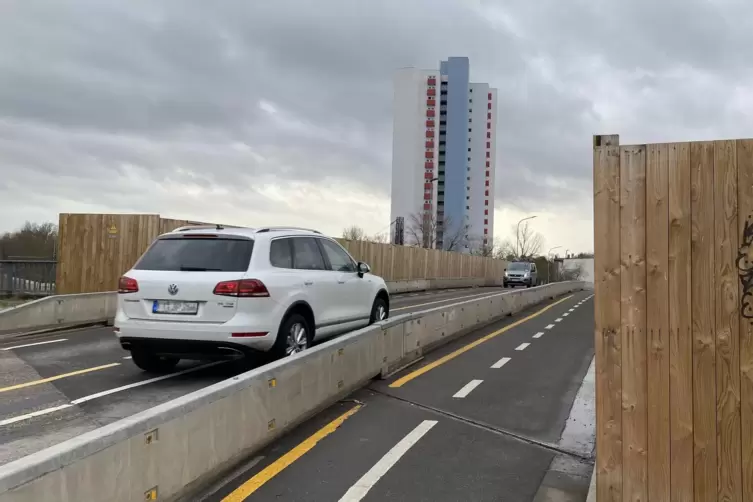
x: 279, y: 111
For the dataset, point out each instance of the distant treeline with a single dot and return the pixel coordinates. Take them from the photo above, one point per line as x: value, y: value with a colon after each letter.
x: 32, y: 241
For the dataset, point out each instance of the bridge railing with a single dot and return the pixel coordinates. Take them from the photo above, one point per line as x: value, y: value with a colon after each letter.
x: 27, y: 277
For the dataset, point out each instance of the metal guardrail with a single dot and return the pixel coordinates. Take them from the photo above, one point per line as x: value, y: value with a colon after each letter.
x: 27, y: 277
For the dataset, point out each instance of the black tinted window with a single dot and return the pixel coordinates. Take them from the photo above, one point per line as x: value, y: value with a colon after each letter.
x: 192, y: 254
x: 306, y: 254
x: 339, y: 260
x: 280, y: 253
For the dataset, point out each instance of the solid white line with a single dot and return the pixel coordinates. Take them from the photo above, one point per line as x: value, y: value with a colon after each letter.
x: 539, y: 334
x: 501, y: 363
x: 13, y: 420
x: 550, y: 326
x: 359, y: 490
x: 84, y: 399
x: 480, y: 296
x: 467, y: 388
x: 35, y: 344
x: 559, y: 319
x: 142, y: 382
x: 522, y: 346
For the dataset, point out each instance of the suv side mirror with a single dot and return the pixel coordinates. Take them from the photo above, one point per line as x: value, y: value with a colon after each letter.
x: 363, y: 268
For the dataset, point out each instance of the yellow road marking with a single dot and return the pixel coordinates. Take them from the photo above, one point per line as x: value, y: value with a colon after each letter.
x: 57, y: 377
x: 455, y: 299
x: 273, y: 469
x: 452, y: 355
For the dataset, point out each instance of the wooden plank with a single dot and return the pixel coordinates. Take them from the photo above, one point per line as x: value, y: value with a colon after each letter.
x: 657, y: 321
x: 727, y: 324
x: 745, y: 272
x: 633, y: 320
x: 680, y: 338
x: 607, y: 338
x: 703, y: 301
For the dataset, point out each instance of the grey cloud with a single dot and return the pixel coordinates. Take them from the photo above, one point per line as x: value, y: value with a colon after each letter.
x: 93, y: 89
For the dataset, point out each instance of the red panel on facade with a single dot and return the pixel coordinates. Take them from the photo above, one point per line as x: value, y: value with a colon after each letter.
x: 431, y: 92
x: 427, y: 186
x: 486, y: 202
x: 489, y: 108
x: 431, y: 81
x: 429, y: 134
x: 490, y: 95
x: 486, y: 212
x: 431, y: 102
x: 487, y: 165
x: 429, y: 155
x: 487, y: 181
x: 489, y: 115
x: 488, y: 124
x: 427, y: 196
x: 429, y: 165
x: 486, y: 231
x: 486, y: 222
x: 429, y: 144
x: 428, y: 176
x: 488, y: 155
x: 487, y: 193
x: 427, y: 206
x: 429, y: 123
x: 430, y: 113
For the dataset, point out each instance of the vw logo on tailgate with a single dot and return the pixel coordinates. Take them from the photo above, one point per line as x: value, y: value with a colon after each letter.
x: 172, y: 289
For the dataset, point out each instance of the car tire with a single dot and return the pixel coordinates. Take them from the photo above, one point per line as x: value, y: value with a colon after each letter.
x: 293, y: 337
x: 379, y: 311
x: 153, y: 363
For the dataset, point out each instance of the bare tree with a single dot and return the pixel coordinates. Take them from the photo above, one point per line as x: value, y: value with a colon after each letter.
x: 33, y: 240
x: 421, y: 230
x: 528, y: 242
x: 456, y: 237
x: 381, y: 238
x: 424, y: 230
x: 354, y: 233
x: 505, y: 250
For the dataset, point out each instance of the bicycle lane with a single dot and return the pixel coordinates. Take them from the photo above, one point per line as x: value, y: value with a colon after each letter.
x: 481, y: 425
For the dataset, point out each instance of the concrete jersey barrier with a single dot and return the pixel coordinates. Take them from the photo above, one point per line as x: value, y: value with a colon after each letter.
x: 172, y: 449
x: 64, y: 311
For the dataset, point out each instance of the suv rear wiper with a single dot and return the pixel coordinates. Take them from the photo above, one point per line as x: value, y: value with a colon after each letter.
x: 198, y: 269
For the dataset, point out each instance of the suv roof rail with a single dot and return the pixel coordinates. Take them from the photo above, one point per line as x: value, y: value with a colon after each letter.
x: 269, y: 229
x: 203, y: 227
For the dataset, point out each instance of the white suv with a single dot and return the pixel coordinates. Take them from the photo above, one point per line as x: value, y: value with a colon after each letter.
x: 213, y: 292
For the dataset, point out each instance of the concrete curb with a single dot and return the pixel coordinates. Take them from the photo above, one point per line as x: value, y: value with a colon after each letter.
x: 64, y: 312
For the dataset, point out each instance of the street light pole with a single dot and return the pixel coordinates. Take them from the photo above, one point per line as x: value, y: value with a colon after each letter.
x: 548, y: 264
x: 517, y: 234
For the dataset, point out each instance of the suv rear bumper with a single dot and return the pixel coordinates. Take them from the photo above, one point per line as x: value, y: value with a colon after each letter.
x: 174, y: 336
x: 187, y: 349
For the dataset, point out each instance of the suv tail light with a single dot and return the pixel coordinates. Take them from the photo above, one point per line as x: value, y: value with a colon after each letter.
x: 244, y: 288
x: 128, y: 285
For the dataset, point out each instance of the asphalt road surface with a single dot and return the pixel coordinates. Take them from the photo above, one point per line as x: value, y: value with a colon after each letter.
x: 476, y: 423
x: 60, y: 385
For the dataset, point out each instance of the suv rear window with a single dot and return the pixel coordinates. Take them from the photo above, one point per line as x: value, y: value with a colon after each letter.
x: 192, y: 254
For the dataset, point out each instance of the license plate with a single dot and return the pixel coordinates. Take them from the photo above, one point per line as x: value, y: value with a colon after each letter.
x: 175, y: 307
